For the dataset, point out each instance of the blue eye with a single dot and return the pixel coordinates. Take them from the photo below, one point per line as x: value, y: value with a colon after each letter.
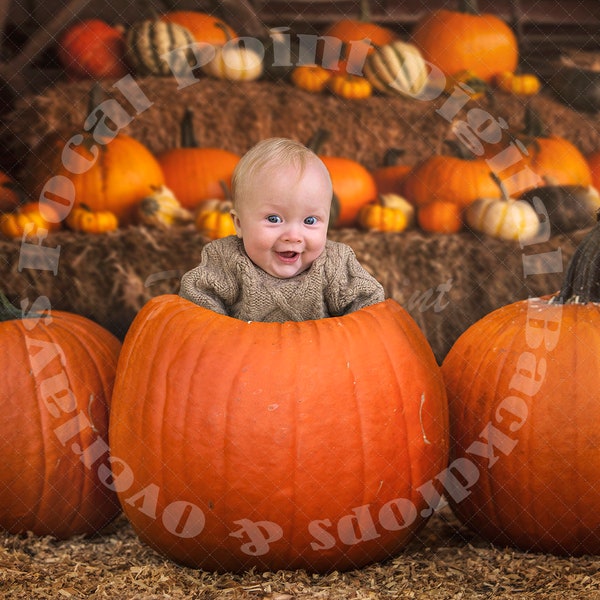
x: 311, y: 220
x: 274, y: 219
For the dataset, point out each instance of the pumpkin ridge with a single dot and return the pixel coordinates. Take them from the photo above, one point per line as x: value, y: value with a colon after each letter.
x: 139, y: 35
x: 402, y: 401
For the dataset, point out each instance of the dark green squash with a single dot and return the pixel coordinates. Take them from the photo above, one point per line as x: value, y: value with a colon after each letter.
x: 569, y: 207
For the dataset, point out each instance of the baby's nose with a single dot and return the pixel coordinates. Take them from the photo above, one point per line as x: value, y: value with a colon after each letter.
x: 292, y: 234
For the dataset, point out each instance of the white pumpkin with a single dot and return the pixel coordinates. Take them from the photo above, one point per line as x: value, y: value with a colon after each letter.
x: 504, y: 218
x: 236, y: 61
x: 397, y: 68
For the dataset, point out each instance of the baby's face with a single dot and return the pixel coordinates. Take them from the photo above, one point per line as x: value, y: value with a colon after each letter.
x: 283, y: 219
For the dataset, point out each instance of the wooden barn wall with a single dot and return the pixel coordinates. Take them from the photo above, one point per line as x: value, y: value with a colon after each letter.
x: 577, y: 20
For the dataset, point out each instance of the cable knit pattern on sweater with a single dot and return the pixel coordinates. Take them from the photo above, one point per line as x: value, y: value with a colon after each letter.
x: 228, y: 282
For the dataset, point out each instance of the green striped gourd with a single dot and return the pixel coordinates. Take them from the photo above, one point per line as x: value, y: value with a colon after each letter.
x: 397, y: 68
x: 150, y: 42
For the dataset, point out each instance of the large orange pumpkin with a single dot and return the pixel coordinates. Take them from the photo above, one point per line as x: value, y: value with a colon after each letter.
x: 553, y: 158
x: 58, y: 373
x: 525, y: 417
x: 459, y: 179
x: 465, y: 40
x: 353, y: 184
x: 123, y: 172
x: 389, y: 177
x: 196, y: 173
x: 352, y: 32
x: 276, y: 445
x: 532, y: 157
x: 204, y: 27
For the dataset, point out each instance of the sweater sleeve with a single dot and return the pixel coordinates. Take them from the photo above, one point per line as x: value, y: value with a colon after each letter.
x: 351, y: 287
x: 212, y: 284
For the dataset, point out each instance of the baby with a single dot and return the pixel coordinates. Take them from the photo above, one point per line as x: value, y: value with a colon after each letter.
x: 280, y: 266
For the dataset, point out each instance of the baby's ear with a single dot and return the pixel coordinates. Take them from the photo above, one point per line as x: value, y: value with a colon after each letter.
x: 236, y: 223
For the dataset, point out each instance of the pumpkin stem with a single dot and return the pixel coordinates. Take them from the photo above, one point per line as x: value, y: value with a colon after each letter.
x: 534, y: 126
x: 224, y: 29
x: 391, y: 156
x: 8, y: 312
x: 469, y: 7
x: 226, y: 190
x: 317, y: 140
x: 365, y: 11
x: 459, y: 149
x: 96, y: 97
x: 582, y: 281
x: 188, y: 135
x: 505, y: 196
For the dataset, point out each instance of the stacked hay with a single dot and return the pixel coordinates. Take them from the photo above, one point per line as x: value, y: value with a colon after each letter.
x: 445, y: 282
x: 236, y: 115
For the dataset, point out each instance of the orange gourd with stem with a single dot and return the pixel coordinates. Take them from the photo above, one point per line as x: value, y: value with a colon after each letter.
x: 351, y: 32
x: 193, y: 172
x: 389, y: 177
x: 110, y: 173
x: 459, y: 177
x: 466, y: 40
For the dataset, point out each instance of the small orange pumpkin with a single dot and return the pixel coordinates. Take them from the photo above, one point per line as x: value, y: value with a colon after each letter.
x: 310, y: 78
x: 551, y: 159
x: 351, y: 87
x: 213, y: 219
x: 460, y: 178
x: 93, y: 49
x: 29, y: 220
x: 440, y: 216
x: 389, y: 213
x: 520, y: 84
x: 358, y: 32
x: 83, y: 219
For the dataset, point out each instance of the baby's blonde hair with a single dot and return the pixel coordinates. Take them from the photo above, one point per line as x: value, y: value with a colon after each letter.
x: 271, y: 154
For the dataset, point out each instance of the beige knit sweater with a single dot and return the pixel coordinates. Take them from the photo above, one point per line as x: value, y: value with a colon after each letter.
x: 228, y: 282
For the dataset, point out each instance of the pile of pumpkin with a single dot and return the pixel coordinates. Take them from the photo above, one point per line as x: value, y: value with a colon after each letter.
x: 357, y: 58
x: 189, y: 184
x: 506, y: 429
x: 121, y: 182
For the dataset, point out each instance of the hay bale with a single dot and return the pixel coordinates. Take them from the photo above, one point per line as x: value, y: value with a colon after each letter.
x: 236, y: 115
x: 445, y: 282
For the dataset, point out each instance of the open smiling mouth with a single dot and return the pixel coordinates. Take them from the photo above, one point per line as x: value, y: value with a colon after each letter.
x: 288, y: 256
